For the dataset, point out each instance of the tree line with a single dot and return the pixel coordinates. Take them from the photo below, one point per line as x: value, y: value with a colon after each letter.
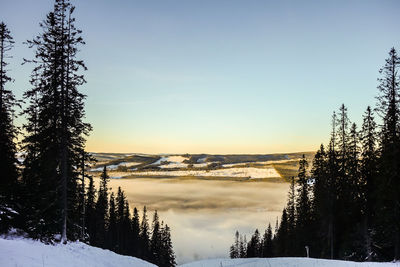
x: 45, y: 196
x: 109, y: 224
x: 347, y: 206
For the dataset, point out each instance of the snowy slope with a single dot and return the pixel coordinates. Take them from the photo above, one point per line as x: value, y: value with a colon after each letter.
x: 284, y: 262
x: 29, y: 253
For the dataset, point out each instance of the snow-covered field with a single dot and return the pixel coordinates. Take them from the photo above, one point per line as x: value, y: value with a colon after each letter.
x: 115, y: 166
x: 284, y: 262
x: 22, y: 252
x: 252, y: 173
x: 29, y: 253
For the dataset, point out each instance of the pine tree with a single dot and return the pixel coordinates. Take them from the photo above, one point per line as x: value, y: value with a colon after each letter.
x: 254, y: 245
x: 168, y: 255
x: 331, y: 182
x: 303, y: 221
x: 242, y: 247
x: 156, y: 241
x: 126, y: 228
x: 8, y: 133
x: 234, y: 249
x: 368, y: 176
x: 281, y: 235
x: 320, y: 203
x: 56, y: 113
x: 101, y: 210
x: 112, y: 225
x: 291, y: 213
x: 90, y: 215
x: 135, y: 226
x: 120, y: 207
x: 389, y: 187
x: 267, y: 249
x: 144, y: 237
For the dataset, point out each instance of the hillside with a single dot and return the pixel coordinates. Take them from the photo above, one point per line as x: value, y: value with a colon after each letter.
x: 273, y: 167
x: 29, y: 253
x: 284, y: 262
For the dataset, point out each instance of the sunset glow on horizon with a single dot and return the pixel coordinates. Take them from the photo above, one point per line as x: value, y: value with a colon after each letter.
x: 218, y: 76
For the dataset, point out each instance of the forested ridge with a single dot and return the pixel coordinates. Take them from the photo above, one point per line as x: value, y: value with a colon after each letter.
x: 348, y: 205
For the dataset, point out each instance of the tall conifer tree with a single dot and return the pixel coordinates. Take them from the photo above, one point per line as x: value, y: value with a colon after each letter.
x: 58, y: 118
x: 8, y: 134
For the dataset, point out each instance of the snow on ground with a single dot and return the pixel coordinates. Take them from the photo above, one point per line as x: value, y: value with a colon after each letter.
x: 115, y: 166
x: 29, y: 253
x: 284, y: 262
x: 258, y: 162
x: 202, y: 160
x: 172, y: 162
x: 119, y: 175
x: 253, y: 173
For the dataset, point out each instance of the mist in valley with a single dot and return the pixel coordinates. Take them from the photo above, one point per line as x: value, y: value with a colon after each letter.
x: 204, y: 214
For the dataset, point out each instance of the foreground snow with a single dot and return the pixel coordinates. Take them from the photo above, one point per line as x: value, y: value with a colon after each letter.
x: 284, y: 262
x: 29, y: 253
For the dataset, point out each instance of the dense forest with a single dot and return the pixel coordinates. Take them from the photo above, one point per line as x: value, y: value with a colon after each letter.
x: 45, y: 197
x: 348, y: 205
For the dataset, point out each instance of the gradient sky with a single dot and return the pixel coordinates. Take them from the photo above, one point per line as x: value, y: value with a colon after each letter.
x: 218, y: 76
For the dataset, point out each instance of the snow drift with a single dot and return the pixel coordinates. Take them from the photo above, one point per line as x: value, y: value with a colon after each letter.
x: 285, y: 262
x: 30, y: 253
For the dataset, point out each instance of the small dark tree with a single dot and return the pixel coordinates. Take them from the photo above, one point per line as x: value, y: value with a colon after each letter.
x: 111, y: 241
x: 303, y: 221
x: 234, y: 249
x: 135, y: 226
x: 90, y: 214
x: 101, y: 210
x: 267, y: 249
x: 168, y: 255
x: 280, y: 240
x: 144, y: 237
x: 254, y: 245
x: 156, y: 241
x: 368, y: 176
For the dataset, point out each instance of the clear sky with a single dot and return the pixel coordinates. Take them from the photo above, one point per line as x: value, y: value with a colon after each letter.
x: 218, y: 76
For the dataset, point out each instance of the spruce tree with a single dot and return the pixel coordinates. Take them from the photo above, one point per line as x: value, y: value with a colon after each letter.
x: 112, y: 225
x: 281, y: 237
x: 134, y: 239
x: 303, y: 221
x: 332, y: 188
x: 144, y: 236
x: 120, y: 208
x: 368, y: 177
x: 242, y: 247
x: 101, y: 210
x: 267, y: 249
x: 254, y: 245
x: 234, y: 249
x: 8, y: 133
x: 389, y: 186
x: 156, y: 241
x: 56, y: 112
x: 90, y: 214
x: 291, y: 213
x: 168, y: 255
x: 126, y: 228
x: 321, y: 203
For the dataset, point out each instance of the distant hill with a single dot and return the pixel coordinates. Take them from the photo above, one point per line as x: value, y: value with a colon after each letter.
x: 244, y: 167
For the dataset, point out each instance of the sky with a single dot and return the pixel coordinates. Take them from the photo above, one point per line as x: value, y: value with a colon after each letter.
x: 223, y: 77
